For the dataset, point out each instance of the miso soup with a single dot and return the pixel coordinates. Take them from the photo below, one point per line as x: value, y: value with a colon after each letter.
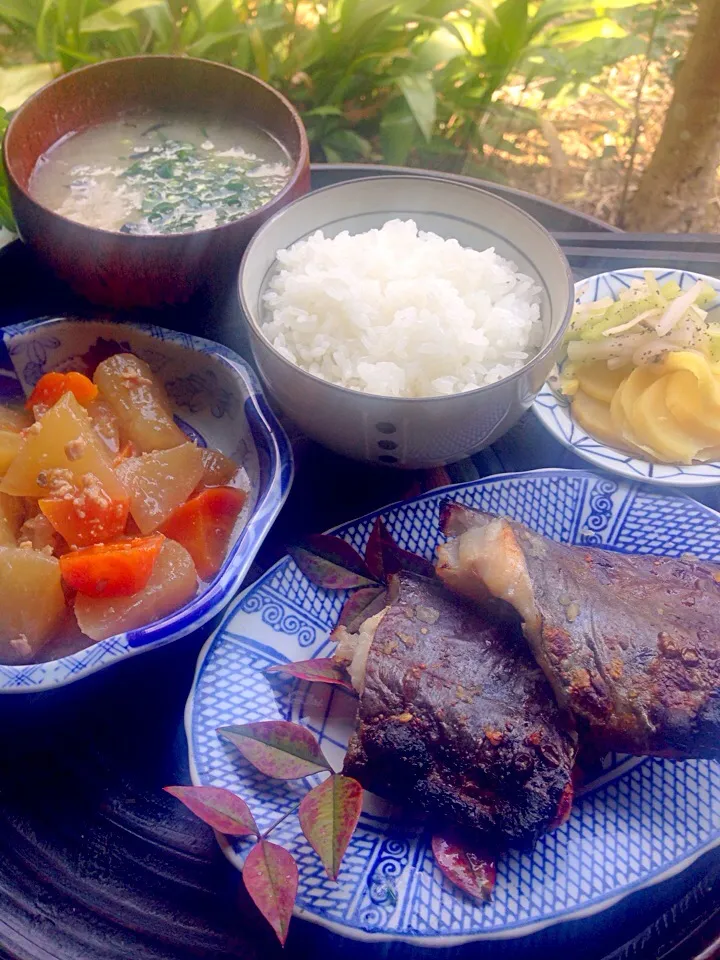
x: 161, y: 173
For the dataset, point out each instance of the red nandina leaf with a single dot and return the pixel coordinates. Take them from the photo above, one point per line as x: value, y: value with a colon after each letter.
x: 382, y: 549
x: 331, y: 562
x: 328, y: 817
x: 271, y: 878
x: 374, y: 550
x: 284, y: 750
x: 473, y: 870
x: 322, y: 670
x: 360, y: 605
x: 222, y: 810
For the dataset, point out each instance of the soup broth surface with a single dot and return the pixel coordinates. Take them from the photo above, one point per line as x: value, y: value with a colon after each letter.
x: 161, y: 173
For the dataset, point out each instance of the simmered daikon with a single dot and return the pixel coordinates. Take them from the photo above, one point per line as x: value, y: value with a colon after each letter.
x: 32, y: 602
x: 139, y: 402
x: 159, y: 482
x: 173, y: 582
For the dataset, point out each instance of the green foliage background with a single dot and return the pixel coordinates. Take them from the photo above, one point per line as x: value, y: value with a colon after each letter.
x: 399, y: 81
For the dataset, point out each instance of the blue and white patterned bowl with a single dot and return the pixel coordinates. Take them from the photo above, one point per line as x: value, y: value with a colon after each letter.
x: 220, y: 405
x: 553, y: 410
x: 641, y: 822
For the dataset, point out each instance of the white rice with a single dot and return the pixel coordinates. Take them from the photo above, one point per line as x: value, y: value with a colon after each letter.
x: 400, y: 312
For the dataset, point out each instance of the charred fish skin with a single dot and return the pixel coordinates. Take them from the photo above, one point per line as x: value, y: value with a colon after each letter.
x: 630, y: 643
x: 457, y: 722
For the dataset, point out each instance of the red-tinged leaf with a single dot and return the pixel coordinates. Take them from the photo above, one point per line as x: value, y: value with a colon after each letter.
x: 221, y: 809
x: 271, y: 878
x: 328, y: 817
x: 473, y: 870
x: 374, y: 550
x: 322, y: 670
x: 384, y: 550
x: 284, y: 750
x: 360, y: 605
x: 331, y: 562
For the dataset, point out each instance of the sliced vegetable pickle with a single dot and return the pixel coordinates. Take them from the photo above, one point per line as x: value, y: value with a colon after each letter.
x: 63, y: 440
x: 32, y: 602
x: 15, y: 419
x: 10, y: 444
x: 51, y: 386
x: 114, y: 570
x: 594, y: 416
x: 105, y: 424
x: 139, y: 402
x: 656, y: 428
x: 172, y: 583
x: 598, y: 381
x: 159, y: 482
x: 219, y: 469
x: 204, y: 526
x: 11, y: 517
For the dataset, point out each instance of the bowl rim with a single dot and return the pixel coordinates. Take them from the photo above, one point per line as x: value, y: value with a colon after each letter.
x: 299, y: 164
x: 546, y: 350
x: 204, y: 605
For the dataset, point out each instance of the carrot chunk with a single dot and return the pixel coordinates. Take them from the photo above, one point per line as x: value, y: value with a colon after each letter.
x: 88, y: 515
x: 204, y: 525
x: 51, y: 386
x: 114, y: 570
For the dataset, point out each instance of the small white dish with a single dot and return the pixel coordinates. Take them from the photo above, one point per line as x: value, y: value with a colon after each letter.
x: 554, y: 410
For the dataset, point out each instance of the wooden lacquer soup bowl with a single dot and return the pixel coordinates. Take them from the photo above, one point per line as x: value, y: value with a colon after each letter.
x: 126, y: 270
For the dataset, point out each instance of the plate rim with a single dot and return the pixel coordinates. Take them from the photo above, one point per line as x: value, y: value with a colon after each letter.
x: 522, y: 929
x: 543, y: 411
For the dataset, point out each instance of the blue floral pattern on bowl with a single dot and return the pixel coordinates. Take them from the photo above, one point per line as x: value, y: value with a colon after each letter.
x: 220, y: 404
x: 553, y: 410
x: 640, y: 822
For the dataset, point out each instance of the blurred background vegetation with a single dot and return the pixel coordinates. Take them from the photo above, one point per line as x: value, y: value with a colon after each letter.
x: 564, y: 98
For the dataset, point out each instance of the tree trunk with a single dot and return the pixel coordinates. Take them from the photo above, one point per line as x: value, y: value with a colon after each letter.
x: 675, y: 190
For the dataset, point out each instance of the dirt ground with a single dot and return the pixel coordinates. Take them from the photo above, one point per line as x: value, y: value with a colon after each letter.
x: 583, y: 155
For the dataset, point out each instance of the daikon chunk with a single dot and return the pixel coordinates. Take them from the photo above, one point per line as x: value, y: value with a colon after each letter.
x: 173, y: 582
x: 105, y: 423
x: 10, y: 444
x: 11, y: 518
x: 32, y: 602
x: 139, y: 402
x: 63, y: 440
x: 159, y: 482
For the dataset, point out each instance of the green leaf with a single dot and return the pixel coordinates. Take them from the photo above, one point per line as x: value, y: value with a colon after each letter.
x: 117, y: 16
x: 584, y: 30
x: 323, y: 111
x: 18, y: 83
x: 278, y: 748
x: 441, y: 46
x: 418, y: 90
x: 506, y: 37
x: 328, y: 816
x: 46, y: 30
x: 398, y: 130
x: 24, y: 11
x: 210, y: 40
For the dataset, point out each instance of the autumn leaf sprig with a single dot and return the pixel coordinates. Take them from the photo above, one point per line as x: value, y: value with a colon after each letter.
x: 328, y: 813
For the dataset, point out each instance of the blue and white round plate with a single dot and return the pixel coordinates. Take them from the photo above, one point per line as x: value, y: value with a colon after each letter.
x: 640, y: 823
x: 554, y: 411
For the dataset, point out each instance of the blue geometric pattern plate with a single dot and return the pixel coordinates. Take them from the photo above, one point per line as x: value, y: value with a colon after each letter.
x: 641, y: 822
x: 553, y: 410
x: 220, y: 405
